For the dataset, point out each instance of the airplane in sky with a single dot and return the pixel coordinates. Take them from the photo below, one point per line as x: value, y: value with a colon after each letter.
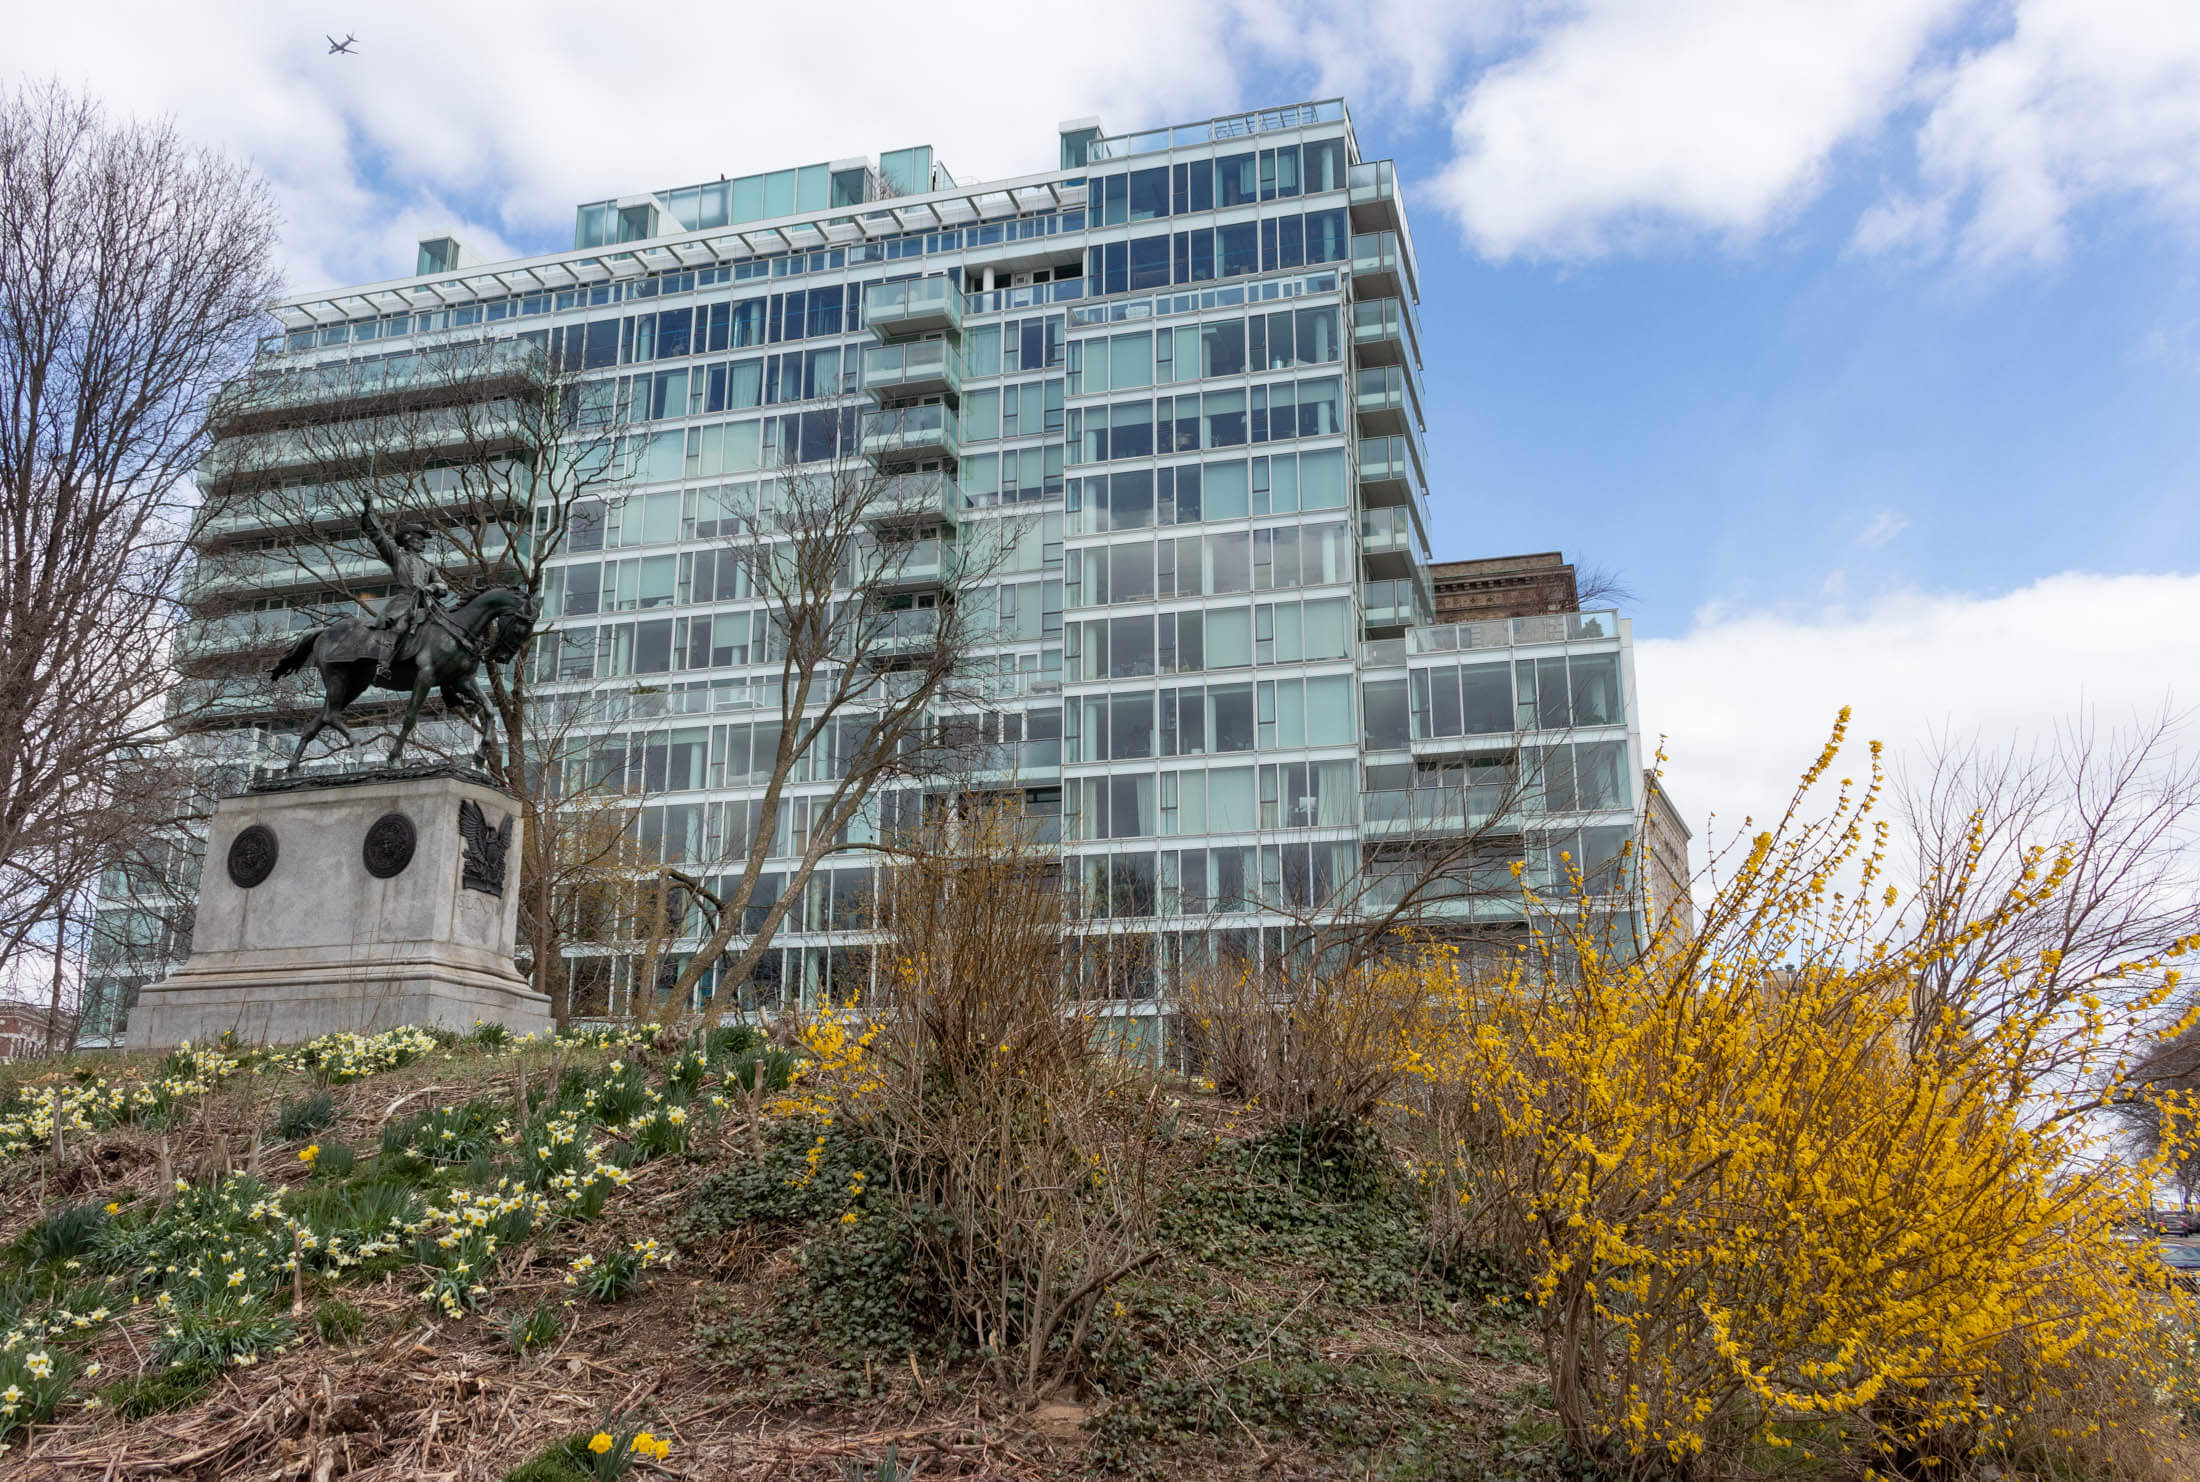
x: 344, y: 46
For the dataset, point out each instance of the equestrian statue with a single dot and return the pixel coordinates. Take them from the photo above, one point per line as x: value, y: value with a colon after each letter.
x: 423, y: 638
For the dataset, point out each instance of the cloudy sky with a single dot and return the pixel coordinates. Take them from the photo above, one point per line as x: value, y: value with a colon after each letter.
x: 1861, y: 338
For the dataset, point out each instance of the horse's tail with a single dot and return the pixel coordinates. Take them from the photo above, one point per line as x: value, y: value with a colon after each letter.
x: 296, y: 656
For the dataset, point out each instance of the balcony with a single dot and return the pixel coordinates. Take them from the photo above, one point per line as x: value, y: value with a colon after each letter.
x: 912, y: 565
x: 1375, y: 204
x: 204, y: 641
x: 1382, y: 267
x: 907, y: 634
x: 910, y: 434
x: 471, y: 372
x: 334, y: 450
x: 1558, y: 627
x: 1396, y: 603
x: 912, y: 368
x: 1390, y: 541
x: 1385, y: 332
x: 1387, y: 401
x: 929, y: 497
x: 340, y: 566
x: 1390, y: 474
x: 912, y: 308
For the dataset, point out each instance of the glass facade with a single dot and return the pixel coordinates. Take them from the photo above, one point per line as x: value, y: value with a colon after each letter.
x: 1177, y: 382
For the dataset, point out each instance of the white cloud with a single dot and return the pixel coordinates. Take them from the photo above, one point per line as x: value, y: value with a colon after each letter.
x: 1884, y: 526
x: 525, y: 110
x: 1616, y: 124
x: 2081, y: 100
x: 1626, y: 122
x: 1746, y: 698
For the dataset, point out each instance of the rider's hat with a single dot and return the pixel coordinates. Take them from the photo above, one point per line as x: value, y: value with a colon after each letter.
x: 407, y: 532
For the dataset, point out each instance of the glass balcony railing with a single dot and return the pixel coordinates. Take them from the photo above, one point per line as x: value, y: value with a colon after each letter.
x: 912, y: 366
x: 239, y: 632
x: 1028, y: 296
x: 913, y: 306
x: 912, y: 563
x: 1389, y: 532
x: 1376, y: 180
x: 1382, y: 266
x: 337, y: 565
x: 473, y: 369
x: 1227, y: 127
x: 1393, y: 603
x: 1386, y: 331
x: 1390, y: 473
x: 924, y: 497
x: 1387, y: 399
x: 909, y: 631
x: 1557, y: 627
x: 1429, y: 810
x: 910, y: 432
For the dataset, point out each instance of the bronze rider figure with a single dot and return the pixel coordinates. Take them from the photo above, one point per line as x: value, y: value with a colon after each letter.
x: 420, y: 587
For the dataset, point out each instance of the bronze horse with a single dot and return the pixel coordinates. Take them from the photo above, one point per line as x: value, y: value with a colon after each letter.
x: 446, y: 651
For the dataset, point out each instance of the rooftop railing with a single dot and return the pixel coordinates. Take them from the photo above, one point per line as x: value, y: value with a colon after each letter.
x: 1217, y: 130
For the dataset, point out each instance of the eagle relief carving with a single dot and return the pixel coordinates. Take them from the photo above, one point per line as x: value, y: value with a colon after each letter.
x: 483, y: 867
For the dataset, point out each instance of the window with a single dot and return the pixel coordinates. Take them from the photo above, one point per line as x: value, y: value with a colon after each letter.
x: 1237, y: 180
x: 1149, y: 262
x: 673, y: 332
x: 1323, y: 165
x: 1194, y: 186
x: 1130, y: 572
x: 1594, y: 681
x: 1149, y: 193
x: 1222, y: 348
x: 1240, y: 248
x: 1224, y: 412
x: 1328, y: 236
x: 1194, y: 254
x: 1230, y: 717
x: 1130, y: 500
x: 1224, y: 489
x: 1130, y: 429
x: 1130, y: 362
x: 1384, y: 725
x: 1130, y: 647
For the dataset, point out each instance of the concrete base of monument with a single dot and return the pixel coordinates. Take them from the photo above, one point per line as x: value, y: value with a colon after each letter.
x: 351, y: 902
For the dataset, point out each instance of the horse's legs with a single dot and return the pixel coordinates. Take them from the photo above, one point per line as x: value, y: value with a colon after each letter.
x: 297, y: 757
x: 333, y: 700
x: 412, y: 713
x: 462, y: 696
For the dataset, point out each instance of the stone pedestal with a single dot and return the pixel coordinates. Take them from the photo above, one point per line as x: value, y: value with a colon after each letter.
x: 359, y: 903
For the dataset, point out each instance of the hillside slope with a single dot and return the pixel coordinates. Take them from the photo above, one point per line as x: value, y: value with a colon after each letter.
x: 365, y: 1259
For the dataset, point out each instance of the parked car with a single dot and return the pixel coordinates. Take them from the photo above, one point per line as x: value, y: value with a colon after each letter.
x: 2184, y: 1263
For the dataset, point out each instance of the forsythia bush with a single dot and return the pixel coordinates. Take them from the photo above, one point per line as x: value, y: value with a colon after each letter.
x: 1766, y: 1209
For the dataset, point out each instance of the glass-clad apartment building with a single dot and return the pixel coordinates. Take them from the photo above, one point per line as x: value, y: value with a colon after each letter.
x: 1186, y: 365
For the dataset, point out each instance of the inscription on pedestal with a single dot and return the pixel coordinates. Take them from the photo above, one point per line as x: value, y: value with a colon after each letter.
x: 389, y: 846
x: 252, y: 856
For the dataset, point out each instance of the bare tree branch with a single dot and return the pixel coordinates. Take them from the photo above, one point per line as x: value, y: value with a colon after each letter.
x: 133, y: 275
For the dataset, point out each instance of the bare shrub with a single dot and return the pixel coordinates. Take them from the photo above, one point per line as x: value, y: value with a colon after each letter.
x: 1305, y: 1045
x: 1022, y: 1155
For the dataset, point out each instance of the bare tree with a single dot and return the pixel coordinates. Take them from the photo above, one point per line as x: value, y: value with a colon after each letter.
x: 1601, y: 586
x: 868, y: 606
x: 2120, y: 811
x: 134, y: 271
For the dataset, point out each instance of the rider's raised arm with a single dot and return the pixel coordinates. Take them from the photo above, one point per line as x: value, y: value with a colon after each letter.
x: 377, y: 533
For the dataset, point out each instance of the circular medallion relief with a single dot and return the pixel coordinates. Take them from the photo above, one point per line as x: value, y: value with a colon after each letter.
x: 252, y: 856
x: 389, y: 845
